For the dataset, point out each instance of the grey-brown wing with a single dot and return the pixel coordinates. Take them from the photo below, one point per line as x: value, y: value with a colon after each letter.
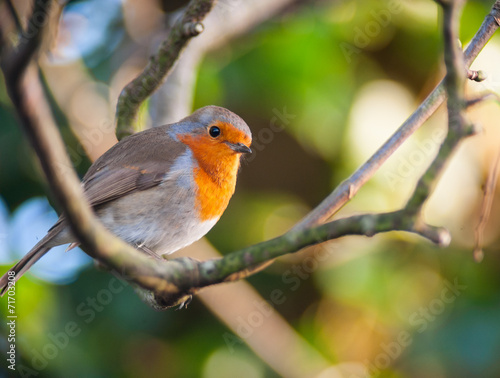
x: 138, y: 162
x: 110, y: 184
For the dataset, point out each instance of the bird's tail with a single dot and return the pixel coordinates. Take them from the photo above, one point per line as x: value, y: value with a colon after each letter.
x: 24, y: 264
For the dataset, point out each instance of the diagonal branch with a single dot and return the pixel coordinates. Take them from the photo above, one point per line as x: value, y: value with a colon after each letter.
x: 160, y: 64
x: 191, y: 275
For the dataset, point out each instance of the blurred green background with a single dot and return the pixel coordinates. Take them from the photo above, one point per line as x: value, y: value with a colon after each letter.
x: 321, y: 84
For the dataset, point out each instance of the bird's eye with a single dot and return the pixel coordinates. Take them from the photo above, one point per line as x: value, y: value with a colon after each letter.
x: 214, y: 131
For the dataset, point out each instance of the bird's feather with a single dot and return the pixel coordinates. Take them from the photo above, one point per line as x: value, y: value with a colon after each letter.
x: 119, y: 172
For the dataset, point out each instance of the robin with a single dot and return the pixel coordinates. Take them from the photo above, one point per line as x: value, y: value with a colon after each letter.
x: 160, y: 189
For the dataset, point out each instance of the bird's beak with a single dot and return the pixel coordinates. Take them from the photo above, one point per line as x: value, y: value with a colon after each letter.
x: 240, y: 148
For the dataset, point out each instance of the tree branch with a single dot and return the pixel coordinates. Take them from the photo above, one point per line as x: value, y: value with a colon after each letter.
x: 349, y: 187
x: 194, y: 275
x: 160, y: 64
x: 454, y: 83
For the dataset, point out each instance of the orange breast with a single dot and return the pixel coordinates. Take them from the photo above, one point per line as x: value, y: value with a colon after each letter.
x: 215, y: 175
x: 212, y: 197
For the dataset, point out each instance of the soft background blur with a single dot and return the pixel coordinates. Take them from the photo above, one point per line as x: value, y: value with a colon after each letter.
x: 322, y: 84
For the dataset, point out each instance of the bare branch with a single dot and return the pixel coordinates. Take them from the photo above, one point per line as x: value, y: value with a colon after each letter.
x: 237, y: 265
x: 349, y: 187
x: 160, y: 64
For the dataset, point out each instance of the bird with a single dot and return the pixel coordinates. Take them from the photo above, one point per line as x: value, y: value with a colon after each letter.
x: 160, y: 189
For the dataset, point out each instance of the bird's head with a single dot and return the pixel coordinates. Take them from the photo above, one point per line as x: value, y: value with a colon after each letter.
x: 213, y: 132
